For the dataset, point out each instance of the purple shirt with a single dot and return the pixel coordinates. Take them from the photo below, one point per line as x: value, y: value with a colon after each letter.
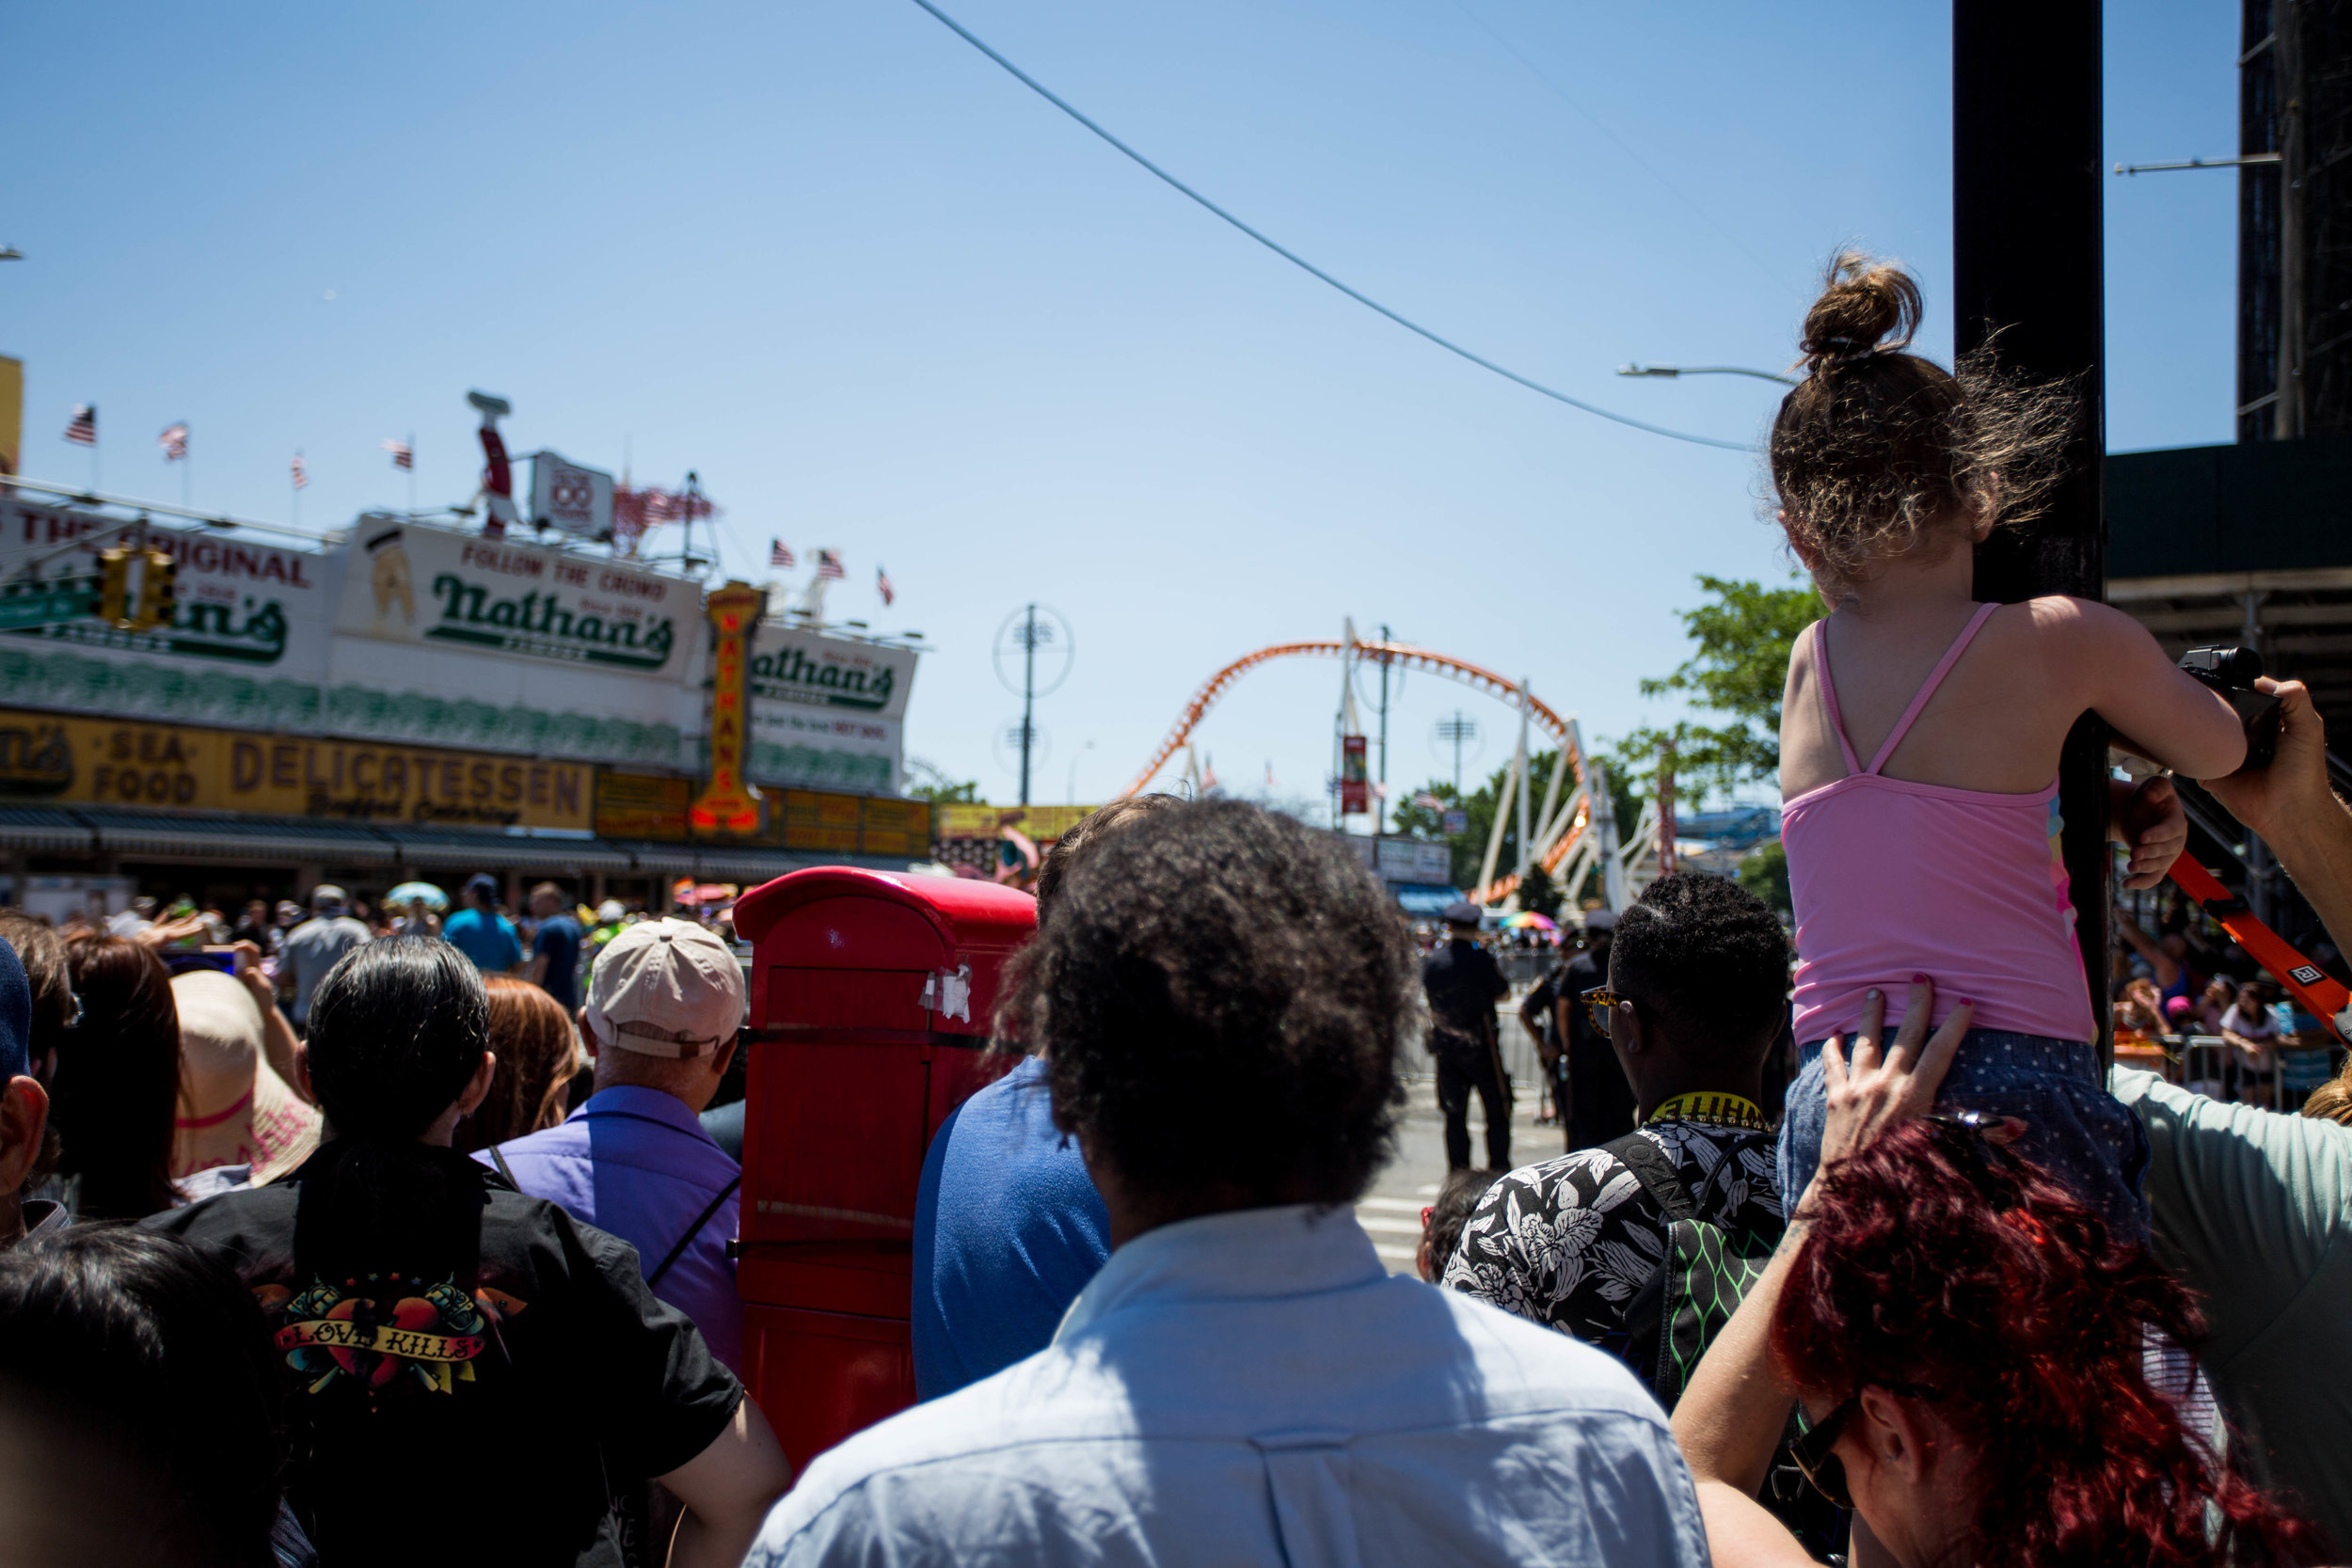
x: 636, y: 1164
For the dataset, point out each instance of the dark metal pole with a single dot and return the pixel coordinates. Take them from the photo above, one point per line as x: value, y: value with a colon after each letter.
x: 2028, y: 264
x: 1028, y: 698
x: 1380, y: 808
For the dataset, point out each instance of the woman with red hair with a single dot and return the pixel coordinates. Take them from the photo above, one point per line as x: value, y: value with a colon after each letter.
x: 1969, y: 1343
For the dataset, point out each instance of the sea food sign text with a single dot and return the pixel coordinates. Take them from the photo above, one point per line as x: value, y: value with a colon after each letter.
x: 110, y: 762
x: 423, y: 585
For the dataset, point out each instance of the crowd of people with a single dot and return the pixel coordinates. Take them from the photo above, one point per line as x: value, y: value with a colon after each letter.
x: 380, y: 1245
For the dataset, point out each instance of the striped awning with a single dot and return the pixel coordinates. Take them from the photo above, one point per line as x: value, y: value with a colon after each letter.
x: 258, y: 839
x: 451, y: 850
x: 45, y: 829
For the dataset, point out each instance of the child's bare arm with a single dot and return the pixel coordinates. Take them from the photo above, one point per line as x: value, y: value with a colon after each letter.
x: 2165, y: 714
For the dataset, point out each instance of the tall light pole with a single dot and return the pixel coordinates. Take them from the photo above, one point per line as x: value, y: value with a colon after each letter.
x: 1380, y: 806
x: 1456, y: 728
x: 1026, y: 631
x: 1028, y: 697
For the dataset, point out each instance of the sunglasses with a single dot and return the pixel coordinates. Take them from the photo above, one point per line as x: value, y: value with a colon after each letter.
x: 1816, y: 1452
x: 1599, y: 1003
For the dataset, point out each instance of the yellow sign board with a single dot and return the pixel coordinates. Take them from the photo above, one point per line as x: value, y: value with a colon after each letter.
x: 642, y: 806
x: 11, y: 415
x: 126, y: 763
x: 1039, y: 824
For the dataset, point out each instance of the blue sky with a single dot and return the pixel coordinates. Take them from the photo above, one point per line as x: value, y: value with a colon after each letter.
x: 883, y: 297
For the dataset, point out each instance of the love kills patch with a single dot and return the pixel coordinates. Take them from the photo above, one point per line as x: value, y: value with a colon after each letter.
x: 372, y: 1330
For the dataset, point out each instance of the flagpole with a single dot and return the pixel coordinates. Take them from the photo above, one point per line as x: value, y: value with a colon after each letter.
x: 187, y: 486
x: 293, y: 485
x: 412, y: 476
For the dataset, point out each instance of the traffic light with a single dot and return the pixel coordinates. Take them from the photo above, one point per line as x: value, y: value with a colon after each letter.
x: 114, y: 586
x: 159, y: 598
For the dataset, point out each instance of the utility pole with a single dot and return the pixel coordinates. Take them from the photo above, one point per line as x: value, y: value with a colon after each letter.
x: 1028, y: 697
x: 1380, y: 797
x: 2028, y: 264
x: 1527, y: 710
x: 1457, y: 727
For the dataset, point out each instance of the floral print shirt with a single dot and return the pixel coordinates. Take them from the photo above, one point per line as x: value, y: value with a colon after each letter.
x: 1570, y: 1242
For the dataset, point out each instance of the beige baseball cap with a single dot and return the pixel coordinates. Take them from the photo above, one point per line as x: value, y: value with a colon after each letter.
x: 665, y: 987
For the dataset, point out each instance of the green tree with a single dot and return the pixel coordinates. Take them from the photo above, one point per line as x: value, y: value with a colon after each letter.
x: 1470, y: 846
x: 1539, y: 892
x: 926, y: 781
x: 1739, y: 668
x: 1764, y: 871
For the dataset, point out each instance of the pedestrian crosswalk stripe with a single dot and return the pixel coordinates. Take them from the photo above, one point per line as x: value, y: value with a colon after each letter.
x: 1382, y: 1226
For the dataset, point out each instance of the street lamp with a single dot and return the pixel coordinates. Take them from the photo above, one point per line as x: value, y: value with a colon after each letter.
x: 1670, y: 372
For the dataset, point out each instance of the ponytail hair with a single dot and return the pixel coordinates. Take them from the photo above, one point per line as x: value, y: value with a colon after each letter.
x: 1878, y: 448
x: 1940, y: 1262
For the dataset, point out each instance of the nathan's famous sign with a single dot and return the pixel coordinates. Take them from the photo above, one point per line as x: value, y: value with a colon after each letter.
x: 239, y: 600
x: 502, y: 646
x: 792, y: 666
x: 117, y: 763
x: 432, y: 586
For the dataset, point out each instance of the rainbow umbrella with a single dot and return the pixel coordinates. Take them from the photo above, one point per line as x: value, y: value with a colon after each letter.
x: 1529, y: 919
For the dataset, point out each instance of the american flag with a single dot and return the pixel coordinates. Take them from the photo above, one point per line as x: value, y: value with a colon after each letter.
x: 881, y: 584
x: 403, y: 455
x: 639, y: 510
x: 301, y: 480
x: 174, y: 441
x: 780, y: 553
x: 82, y: 429
x: 829, y: 565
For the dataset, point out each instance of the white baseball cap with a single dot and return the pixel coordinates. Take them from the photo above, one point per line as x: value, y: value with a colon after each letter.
x: 665, y: 987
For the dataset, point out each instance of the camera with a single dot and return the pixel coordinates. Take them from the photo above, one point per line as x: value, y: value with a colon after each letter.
x: 2232, y: 672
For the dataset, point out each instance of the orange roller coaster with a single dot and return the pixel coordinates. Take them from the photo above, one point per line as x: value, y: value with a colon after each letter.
x: 1406, y: 657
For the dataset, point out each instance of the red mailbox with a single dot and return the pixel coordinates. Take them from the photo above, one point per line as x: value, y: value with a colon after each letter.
x: 871, y: 996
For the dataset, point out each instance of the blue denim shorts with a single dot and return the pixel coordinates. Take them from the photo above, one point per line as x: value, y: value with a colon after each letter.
x: 2074, y: 1129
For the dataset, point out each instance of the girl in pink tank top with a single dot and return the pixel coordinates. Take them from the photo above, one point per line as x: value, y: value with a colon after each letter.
x: 1938, y: 857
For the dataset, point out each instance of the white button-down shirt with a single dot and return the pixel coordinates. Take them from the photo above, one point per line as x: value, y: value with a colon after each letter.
x: 1254, y: 1387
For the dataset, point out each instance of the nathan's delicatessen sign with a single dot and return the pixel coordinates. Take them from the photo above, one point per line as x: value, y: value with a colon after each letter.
x: 348, y: 668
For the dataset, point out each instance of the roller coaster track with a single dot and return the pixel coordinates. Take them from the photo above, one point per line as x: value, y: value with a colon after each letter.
x: 1399, y: 654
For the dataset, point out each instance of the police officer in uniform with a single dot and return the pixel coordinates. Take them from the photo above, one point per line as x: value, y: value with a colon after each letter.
x: 1600, y: 1101
x: 1462, y: 983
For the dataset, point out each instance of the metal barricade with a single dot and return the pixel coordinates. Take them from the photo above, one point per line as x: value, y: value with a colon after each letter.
x: 2208, y: 1066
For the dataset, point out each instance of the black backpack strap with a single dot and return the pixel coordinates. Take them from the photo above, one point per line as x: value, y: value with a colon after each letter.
x: 1657, y: 1175
x: 691, y: 1231
x: 497, y: 1158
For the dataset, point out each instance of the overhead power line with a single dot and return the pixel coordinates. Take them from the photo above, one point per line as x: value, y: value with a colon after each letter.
x: 1632, y: 153
x: 1309, y: 267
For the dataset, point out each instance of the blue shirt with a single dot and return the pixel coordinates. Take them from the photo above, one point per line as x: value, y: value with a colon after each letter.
x: 636, y: 1164
x: 558, y: 941
x: 1255, y: 1387
x: 485, y: 938
x: 1008, y: 1231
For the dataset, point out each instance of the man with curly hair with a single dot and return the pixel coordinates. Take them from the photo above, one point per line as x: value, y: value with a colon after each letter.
x: 1221, y: 999
x: 1698, y: 991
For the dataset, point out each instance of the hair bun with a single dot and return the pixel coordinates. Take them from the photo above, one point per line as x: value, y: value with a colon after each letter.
x: 1866, y: 306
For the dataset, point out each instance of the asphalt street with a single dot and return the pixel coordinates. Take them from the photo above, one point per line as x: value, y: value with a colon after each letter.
x: 1391, y: 1212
